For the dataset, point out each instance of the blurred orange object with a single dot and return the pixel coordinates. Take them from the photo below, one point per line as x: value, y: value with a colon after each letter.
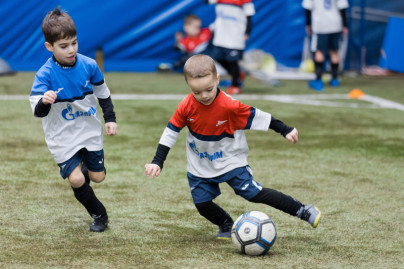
x: 356, y: 94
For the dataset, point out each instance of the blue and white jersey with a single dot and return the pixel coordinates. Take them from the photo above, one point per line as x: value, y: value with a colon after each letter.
x: 325, y: 15
x: 73, y: 121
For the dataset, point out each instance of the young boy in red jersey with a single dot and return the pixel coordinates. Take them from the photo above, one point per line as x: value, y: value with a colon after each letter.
x: 195, y: 41
x: 217, y: 149
x: 232, y: 27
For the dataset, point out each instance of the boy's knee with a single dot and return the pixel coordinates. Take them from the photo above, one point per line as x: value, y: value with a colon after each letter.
x: 97, y: 177
x: 76, y: 180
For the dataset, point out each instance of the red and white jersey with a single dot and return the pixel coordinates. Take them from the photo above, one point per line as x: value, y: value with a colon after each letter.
x: 325, y: 15
x: 216, y: 142
x: 231, y: 22
x: 195, y: 44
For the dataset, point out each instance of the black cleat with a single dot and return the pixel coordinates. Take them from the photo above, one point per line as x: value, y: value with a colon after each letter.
x: 99, y: 224
x: 225, y: 230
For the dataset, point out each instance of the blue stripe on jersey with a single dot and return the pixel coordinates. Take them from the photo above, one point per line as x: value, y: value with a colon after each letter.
x: 250, y: 118
x: 210, y: 137
x: 33, y: 93
x: 74, y: 98
x: 173, y: 127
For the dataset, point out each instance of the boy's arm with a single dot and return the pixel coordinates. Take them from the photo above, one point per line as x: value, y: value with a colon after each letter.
x: 308, y: 22
x: 344, y: 21
x: 167, y: 140
x: 290, y: 133
x: 111, y: 128
x: 249, y: 26
x: 41, y: 109
x: 279, y: 127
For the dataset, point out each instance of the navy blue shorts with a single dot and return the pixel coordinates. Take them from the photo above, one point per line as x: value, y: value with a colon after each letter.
x: 326, y: 42
x: 207, y: 189
x: 229, y: 55
x: 94, y: 160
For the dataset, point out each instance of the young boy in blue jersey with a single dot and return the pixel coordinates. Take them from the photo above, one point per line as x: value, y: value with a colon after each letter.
x: 217, y: 149
x: 64, y: 94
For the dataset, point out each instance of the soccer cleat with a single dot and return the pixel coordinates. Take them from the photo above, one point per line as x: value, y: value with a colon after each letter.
x: 225, y: 230
x: 310, y: 214
x: 334, y: 82
x: 233, y: 90
x: 99, y: 224
x: 316, y: 85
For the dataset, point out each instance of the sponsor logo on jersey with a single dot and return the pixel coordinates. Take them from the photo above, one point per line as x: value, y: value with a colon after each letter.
x: 205, y: 155
x: 69, y: 114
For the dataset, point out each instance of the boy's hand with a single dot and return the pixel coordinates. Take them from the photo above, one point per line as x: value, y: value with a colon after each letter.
x: 152, y: 170
x: 178, y: 36
x: 111, y: 128
x: 49, y: 97
x: 293, y: 136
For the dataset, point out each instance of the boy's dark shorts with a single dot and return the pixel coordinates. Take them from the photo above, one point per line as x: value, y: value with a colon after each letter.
x: 224, y: 54
x: 94, y: 160
x: 207, y: 189
x: 326, y: 42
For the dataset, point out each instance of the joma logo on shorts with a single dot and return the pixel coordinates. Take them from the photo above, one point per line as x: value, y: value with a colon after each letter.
x: 68, y: 113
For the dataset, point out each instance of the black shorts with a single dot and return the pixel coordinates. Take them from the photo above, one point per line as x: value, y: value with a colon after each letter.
x: 224, y: 54
x: 325, y: 42
x: 94, y: 160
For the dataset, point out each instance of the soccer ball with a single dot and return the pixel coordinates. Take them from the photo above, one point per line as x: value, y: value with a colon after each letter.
x: 253, y: 233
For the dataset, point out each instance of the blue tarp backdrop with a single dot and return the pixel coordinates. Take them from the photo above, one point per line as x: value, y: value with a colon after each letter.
x: 138, y: 35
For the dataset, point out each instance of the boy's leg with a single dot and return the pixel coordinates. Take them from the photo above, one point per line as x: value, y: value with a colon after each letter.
x: 218, y: 216
x: 288, y: 205
x: 203, y: 192
x: 242, y: 182
x: 86, y: 196
x: 277, y: 200
x: 318, y: 64
x: 334, y: 57
x: 319, y: 46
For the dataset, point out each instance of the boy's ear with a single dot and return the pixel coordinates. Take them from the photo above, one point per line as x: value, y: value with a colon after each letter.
x: 48, y: 46
x: 218, y: 79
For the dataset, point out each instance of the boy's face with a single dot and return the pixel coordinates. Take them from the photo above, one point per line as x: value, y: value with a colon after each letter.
x: 64, y: 50
x: 204, y: 89
x: 192, y: 28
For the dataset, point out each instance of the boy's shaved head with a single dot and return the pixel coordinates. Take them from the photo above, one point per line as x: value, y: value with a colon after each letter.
x: 199, y: 66
x: 58, y: 25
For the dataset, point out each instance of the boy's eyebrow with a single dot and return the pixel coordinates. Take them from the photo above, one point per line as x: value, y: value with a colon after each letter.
x: 64, y: 43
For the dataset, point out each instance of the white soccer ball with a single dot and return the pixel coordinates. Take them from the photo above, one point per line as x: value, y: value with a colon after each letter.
x: 253, y: 233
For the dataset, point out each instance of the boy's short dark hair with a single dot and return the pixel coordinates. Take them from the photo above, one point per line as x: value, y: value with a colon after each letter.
x: 190, y: 18
x: 57, y: 25
x: 199, y: 66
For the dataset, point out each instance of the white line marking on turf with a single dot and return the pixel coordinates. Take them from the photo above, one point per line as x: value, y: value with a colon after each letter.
x: 306, y: 99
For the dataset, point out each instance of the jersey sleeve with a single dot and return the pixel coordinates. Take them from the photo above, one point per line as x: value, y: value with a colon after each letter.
x: 174, y: 126
x: 342, y: 4
x: 97, y: 81
x: 39, y: 87
x: 252, y: 118
x: 307, y: 4
x: 248, y: 8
